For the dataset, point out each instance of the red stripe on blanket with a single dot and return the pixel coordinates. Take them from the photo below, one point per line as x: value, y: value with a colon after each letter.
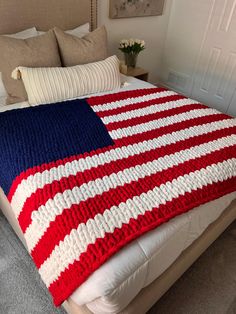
x: 175, y: 127
x: 100, y: 100
x: 152, y: 117
x: 140, y: 105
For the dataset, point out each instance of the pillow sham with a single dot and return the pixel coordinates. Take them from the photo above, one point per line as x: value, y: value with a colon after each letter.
x: 90, y: 48
x: 40, y: 51
x: 49, y: 85
x: 79, y: 31
x: 31, y: 32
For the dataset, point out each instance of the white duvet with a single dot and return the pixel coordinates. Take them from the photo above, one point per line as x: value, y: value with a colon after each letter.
x: 113, y: 286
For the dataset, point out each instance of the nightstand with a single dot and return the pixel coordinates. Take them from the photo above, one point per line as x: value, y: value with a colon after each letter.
x: 138, y: 73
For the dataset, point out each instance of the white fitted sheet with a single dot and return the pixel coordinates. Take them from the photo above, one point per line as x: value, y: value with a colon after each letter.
x: 114, y: 285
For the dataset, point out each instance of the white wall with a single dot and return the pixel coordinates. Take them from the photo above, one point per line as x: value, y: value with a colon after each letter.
x: 199, y: 53
x: 151, y: 29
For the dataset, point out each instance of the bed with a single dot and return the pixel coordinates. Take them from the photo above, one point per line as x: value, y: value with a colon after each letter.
x: 159, y: 258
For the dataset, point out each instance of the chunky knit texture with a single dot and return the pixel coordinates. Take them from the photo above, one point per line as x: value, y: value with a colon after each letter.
x: 160, y: 155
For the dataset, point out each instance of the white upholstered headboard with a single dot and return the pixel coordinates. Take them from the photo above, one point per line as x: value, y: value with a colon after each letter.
x: 17, y: 15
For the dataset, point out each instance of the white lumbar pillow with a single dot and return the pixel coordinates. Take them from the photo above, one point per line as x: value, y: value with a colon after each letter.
x: 79, y: 31
x: 31, y: 32
x: 50, y: 85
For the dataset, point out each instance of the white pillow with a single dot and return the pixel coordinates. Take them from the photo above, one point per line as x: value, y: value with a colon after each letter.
x: 3, y: 92
x: 79, y: 31
x: 49, y: 85
x: 31, y: 32
x: 27, y: 33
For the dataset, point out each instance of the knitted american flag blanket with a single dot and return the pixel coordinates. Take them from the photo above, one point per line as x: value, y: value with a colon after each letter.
x: 86, y: 177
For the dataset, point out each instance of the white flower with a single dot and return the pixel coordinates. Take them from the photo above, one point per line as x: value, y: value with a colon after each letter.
x: 132, y: 45
x: 123, y: 43
x: 131, y: 42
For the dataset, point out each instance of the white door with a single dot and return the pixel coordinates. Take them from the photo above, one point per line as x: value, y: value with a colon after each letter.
x: 215, y: 76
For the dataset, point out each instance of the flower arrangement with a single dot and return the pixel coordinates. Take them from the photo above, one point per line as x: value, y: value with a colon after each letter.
x: 131, y: 48
x: 132, y: 45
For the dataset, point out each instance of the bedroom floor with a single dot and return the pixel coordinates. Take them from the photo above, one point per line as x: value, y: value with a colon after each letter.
x: 209, y: 286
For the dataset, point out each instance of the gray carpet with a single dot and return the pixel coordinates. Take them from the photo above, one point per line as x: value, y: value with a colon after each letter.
x: 208, y: 287
x: 21, y: 289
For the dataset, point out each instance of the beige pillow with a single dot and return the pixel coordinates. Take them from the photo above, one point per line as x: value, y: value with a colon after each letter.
x: 49, y: 85
x: 90, y: 48
x: 41, y: 51
x: 28, y: 33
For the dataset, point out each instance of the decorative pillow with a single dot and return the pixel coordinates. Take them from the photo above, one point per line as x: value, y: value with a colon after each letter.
x: 41, y: 51
x: 90, y: 48
x: 31, y: 32
x: 49, y: 85
x: 79, y: 31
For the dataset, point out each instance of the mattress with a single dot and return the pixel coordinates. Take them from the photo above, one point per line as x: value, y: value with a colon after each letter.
x: 112, y: 287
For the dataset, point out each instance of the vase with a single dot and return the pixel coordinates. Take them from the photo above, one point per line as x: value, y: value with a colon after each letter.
x: 131, y: 59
